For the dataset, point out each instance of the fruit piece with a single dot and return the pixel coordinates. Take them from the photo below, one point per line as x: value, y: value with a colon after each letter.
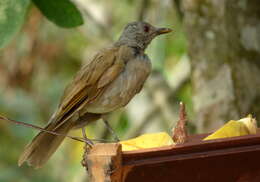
x: 244, y: 126
x: 149, y: 140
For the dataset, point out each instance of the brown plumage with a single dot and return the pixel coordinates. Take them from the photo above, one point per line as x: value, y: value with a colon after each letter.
x: 107, y: 83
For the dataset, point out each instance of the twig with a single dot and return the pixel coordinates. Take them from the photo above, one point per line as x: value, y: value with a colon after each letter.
x: 47, y: 131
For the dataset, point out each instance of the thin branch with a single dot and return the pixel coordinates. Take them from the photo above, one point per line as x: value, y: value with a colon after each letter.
x: 47, y: 131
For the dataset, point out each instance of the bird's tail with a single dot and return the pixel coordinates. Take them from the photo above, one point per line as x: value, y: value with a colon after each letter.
x: 44, y: 144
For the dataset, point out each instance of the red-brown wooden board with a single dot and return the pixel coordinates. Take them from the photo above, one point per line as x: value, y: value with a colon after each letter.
x: 234, y: 159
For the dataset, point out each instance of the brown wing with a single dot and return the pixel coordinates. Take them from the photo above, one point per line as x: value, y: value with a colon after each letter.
x: 90, y: 81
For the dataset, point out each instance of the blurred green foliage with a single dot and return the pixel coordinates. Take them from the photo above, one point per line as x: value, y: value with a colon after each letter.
x: 12, y: 15
x: 37, y: 65
x: 62, y: 12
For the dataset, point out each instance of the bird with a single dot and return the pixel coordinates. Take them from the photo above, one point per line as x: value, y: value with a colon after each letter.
x: 108, y: 82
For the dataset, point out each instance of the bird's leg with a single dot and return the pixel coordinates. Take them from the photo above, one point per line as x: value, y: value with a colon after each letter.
x: 111, y: 130
x: 87, y: 141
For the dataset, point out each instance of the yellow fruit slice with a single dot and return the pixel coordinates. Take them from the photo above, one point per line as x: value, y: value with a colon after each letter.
x: 145, y: 141
x: 244, y: 126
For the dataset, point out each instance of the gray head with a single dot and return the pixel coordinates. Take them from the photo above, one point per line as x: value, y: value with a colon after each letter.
x: 140, y: 34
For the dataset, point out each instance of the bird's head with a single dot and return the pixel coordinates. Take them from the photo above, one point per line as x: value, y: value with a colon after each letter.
x: 140, y: 34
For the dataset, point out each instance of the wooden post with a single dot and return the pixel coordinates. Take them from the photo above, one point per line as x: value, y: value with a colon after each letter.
x: 103, y: 162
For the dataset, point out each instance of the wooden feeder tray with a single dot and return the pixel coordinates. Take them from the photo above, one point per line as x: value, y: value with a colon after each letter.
x: 234, y: 159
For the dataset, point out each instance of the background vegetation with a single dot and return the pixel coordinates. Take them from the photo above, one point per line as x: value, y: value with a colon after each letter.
x: 39, y: 57
x: 44, y: 42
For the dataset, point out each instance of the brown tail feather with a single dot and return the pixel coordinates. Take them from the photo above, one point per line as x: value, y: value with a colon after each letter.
x: 44, y: 145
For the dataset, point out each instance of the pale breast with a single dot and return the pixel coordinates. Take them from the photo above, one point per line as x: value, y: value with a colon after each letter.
x: 119, y: 92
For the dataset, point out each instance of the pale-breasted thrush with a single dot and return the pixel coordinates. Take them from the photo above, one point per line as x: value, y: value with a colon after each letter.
x: 110, y: 80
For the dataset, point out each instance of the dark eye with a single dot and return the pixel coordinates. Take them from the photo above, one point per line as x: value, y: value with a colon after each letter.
x: 146, y: 28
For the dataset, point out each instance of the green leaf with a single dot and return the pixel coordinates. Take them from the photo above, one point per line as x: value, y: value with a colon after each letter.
x: 12, y: 15
x: 62, y: 12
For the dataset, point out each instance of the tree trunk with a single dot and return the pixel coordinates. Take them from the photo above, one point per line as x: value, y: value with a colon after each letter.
x: 224, y: 48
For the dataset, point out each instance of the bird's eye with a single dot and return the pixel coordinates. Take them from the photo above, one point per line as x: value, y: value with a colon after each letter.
x: 146, y: 28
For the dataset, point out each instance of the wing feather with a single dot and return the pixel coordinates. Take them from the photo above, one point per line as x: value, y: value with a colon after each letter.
x: 90, y: 81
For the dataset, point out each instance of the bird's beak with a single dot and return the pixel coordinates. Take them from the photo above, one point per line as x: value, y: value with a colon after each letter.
x: 160, y: 31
